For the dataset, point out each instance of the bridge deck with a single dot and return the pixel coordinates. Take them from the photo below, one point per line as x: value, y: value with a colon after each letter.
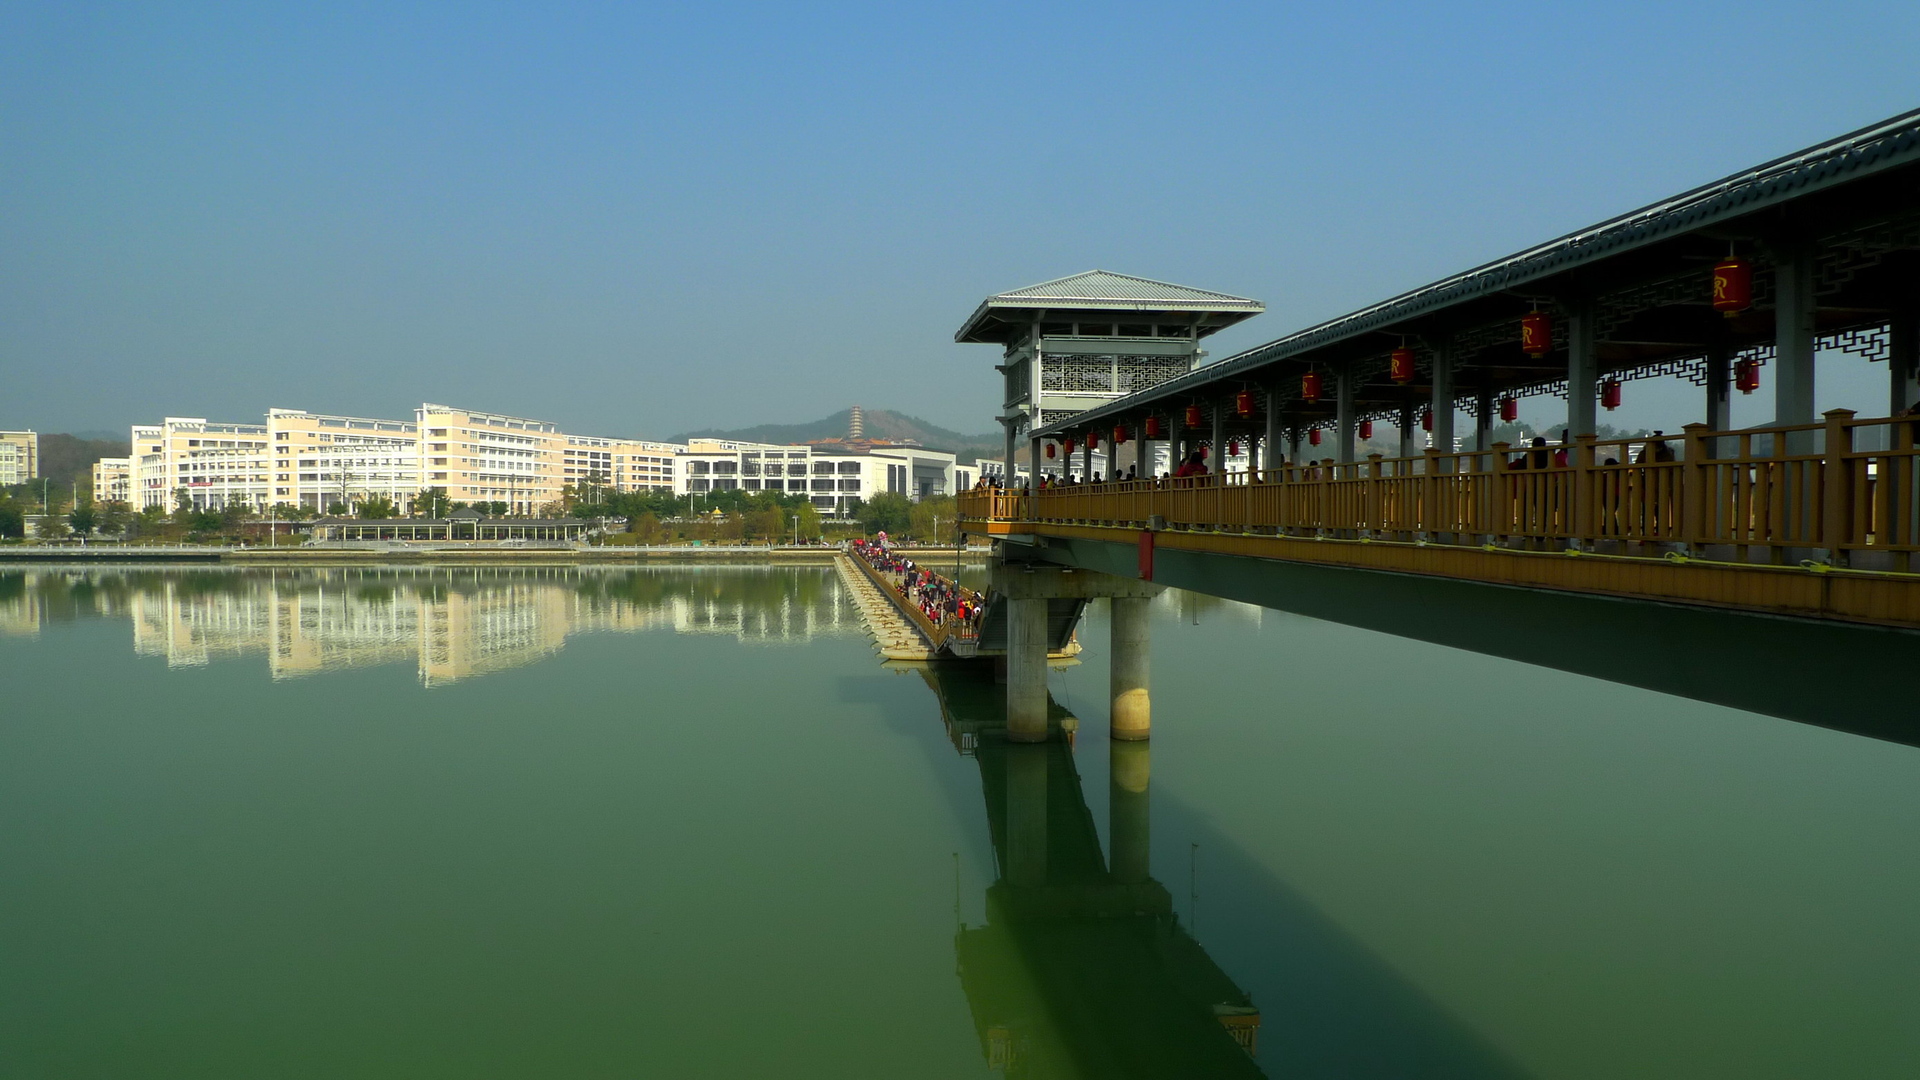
x: 1805, y: 521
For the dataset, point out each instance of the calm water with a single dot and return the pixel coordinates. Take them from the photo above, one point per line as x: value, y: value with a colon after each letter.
x: 681, y: 822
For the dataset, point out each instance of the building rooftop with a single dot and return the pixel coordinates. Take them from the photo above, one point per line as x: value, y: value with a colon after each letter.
x: 1094, y: 292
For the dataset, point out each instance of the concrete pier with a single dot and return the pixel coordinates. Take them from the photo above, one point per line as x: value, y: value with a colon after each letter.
x: 1131, y: 654
x: 1027, y: 669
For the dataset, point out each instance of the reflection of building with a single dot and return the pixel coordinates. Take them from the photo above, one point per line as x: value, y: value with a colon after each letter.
x: 451, y: 623
x: 1081, y: 968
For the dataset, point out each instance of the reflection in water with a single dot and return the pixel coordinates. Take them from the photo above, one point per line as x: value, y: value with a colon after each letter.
x: 454, y: 623
x: 1082, y: 969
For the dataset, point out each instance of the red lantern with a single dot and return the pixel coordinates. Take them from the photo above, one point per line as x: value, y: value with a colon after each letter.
x: 1066, y: 447
x: 1243, y: 403
x: 1193, y: 416
x: 1313, y: 436
x: 1049, y: 451
x: 1610, y: 394
x: 1509, y: 410
x: 1732, y: 286
x: 1401, y: 365
x: 1233, y: 448
x: 1119, y: 434
x: 1426, y: 420
x: 1153, y: 428
x: 1536, y: 334
x: 1746, y: 376
x: 1310, y: 387
x: 1366, y: 429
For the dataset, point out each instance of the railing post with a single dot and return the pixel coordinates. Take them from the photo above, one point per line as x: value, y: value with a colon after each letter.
x: 1583, y: 493
x: 1837, y: 498
x: 1430, y: 495
x: 1373, y: 492
x: 1500, y: 506
x: 1696, y: 485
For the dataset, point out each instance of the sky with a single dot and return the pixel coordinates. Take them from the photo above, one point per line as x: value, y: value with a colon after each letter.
x: 640, y: 219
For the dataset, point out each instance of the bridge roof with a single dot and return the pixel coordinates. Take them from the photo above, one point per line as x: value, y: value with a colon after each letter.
x: 1828, y: 194
x: 1008, y: 314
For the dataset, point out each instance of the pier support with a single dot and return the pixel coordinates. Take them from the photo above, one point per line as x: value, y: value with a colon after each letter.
x: 1131, y: 659
x: 1027, y: 669
x: 1129, y: 827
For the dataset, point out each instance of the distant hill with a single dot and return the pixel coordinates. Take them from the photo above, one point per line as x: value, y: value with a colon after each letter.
x: 66, y: 458
x: 880, y: 424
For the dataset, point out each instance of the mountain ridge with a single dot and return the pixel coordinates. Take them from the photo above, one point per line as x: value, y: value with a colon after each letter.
x: 877, y: 423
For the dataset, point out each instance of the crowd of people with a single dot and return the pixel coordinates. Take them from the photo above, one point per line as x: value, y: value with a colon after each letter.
x: 943, y: 602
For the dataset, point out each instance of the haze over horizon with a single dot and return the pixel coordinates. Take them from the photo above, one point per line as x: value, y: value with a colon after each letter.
x: 650, y: 221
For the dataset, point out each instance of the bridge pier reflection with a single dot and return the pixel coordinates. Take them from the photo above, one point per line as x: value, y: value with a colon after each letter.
x: 1081, y: 968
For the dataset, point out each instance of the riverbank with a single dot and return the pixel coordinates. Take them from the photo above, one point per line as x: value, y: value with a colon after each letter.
x: 374, y: 554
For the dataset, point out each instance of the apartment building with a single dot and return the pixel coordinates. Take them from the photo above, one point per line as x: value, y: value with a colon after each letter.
x: 213, y: 465
x: 19, y: 457
x: 113, y: 480
x: 321, y: 461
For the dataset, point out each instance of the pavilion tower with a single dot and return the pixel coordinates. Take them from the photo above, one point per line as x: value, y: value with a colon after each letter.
x: 1079, y: 342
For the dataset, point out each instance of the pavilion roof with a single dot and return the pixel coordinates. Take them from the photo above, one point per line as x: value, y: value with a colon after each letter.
x: 1104, y: 291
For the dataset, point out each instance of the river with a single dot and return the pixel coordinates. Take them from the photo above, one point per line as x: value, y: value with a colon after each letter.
x: 615, y: 822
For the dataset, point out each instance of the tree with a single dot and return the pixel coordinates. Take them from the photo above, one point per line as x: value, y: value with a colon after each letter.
x: 647, y: 529
x: 809, y: 524
x: 378, y: 508
x: 888, y: 512
x: 112, y: 517
x: 13, y: 524
x: 432, y: 503
x: 337, y: 509
x: 51, y: 527
x: 81, y: 519
x: 933, y: 519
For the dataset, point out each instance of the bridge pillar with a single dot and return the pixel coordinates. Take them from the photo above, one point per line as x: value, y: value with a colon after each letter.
x: 1129, y: 825
x: 1026, y: 815
x: 1442, y: 403
x: 1343, y: 415
x: 1131, y: 657
x: 1583, y: 369
x: 1273, y: 455
x: 1719, y: 386
x: 1027, y: 669
x: 1903, y: 360
x: 1793, y: 332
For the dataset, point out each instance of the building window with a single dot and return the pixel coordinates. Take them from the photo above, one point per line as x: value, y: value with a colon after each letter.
x: 849, y: 468
x: 849, y: 485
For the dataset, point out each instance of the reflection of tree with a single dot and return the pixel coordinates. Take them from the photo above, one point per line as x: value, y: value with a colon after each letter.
x: 1081, y: 969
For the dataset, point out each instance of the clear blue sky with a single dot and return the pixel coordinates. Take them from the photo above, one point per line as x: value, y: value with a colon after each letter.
x: 638, y: 219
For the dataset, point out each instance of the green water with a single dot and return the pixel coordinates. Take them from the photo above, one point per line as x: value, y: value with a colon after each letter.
x: 681, y: 822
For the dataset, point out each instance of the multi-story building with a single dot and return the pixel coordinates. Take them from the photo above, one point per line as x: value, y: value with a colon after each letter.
x: 486, y: 457
x: 212, y: 466
x: 113, y: 480
x: 622, y: 464
x: 834, y: 478
x: 19, y: 457
x: 322, y: 461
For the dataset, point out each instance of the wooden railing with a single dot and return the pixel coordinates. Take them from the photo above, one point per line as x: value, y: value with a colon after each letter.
x: 1846, y: 491
x: 949, y: 632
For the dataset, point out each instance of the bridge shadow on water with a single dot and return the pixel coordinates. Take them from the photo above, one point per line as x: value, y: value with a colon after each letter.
x: 1853, y: 678
x: 1082, y: 967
